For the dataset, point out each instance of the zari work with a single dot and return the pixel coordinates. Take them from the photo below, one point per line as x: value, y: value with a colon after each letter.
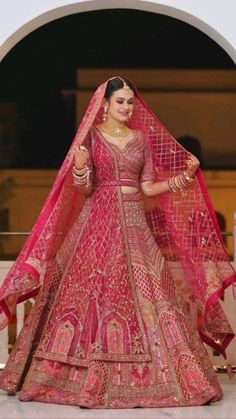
x: 125, y: 290
x: 117, y: 332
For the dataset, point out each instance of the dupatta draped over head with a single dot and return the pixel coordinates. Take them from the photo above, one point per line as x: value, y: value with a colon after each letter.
x: 183, y: 224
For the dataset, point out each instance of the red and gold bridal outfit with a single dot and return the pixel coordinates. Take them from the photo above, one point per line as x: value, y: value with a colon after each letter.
x: 114, y: 325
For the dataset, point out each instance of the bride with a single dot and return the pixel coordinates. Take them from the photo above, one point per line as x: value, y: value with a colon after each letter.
x: 126, y: 265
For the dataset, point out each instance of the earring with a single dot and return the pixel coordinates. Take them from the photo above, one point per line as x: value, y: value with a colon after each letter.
x: 104, y: 116
x: 130, y: 114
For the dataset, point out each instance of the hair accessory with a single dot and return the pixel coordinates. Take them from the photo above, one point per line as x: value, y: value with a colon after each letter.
x: 125, y: 85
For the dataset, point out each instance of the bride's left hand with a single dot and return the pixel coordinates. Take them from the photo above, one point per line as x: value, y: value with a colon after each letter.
x: 192, y: 164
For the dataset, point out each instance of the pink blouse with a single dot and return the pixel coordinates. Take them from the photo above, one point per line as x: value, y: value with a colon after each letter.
x: 134, y: 161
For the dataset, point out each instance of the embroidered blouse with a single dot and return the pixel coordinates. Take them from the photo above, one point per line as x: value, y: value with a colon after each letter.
x: 134, y: 161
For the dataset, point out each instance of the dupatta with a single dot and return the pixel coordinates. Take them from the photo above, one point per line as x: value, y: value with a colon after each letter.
x: 184, y: 226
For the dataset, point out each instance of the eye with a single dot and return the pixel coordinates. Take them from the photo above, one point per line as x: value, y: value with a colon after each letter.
x: 119, y: 101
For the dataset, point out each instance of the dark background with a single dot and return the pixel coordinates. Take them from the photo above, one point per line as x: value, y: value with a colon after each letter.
x: 37, y: 69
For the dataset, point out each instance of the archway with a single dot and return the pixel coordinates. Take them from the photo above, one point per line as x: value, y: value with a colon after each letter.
x: 29, y: 20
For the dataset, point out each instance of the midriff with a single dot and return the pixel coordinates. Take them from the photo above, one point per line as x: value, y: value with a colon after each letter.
x: 127, y: 185
x: 128, y: 189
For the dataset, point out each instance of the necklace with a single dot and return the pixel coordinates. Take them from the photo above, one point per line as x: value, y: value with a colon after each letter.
x: 118, y: 131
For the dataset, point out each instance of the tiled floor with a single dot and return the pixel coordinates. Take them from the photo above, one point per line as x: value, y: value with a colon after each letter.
x: 11, y: 407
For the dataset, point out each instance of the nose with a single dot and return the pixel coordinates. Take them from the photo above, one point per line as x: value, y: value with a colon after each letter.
x: 126, y: 105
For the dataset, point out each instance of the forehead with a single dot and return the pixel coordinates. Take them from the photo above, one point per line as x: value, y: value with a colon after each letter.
x: 123, y: 93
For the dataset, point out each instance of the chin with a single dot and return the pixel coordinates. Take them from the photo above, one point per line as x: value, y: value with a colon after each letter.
x: 123, y: 118
x: 120, y: 118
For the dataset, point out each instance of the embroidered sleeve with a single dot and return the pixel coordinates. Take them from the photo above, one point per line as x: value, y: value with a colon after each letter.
x: 148, y: 169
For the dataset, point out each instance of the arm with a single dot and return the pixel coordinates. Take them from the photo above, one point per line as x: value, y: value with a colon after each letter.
x: 152, y: 188
x: 83, y: 167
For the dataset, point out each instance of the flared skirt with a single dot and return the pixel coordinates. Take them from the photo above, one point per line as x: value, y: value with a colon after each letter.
x: 114, y: 331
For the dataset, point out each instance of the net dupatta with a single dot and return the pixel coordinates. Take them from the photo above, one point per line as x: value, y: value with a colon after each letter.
x: 59, y: 212
x: 186, y: 230
x: 184, y: 226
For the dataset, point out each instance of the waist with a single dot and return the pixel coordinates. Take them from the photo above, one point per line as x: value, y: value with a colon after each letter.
x: 129, y: 197
x: 120, y: 182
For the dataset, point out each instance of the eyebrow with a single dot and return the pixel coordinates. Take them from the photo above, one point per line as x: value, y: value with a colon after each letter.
x: 120, y: 97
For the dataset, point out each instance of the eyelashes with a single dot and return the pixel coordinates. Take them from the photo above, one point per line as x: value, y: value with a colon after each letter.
x: 121, y: 101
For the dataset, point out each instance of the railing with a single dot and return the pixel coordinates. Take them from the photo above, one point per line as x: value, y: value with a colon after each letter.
x: 20, y: 311
x: 224, y: 234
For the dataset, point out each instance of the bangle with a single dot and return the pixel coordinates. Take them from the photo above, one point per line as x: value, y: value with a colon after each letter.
x: 80, y: 172
x: 81, y: 180
x: 188, y: 178
x: 180, y: 182
x: 171, y: 185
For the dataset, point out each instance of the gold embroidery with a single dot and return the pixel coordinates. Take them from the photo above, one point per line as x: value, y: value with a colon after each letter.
x: 137, y: 344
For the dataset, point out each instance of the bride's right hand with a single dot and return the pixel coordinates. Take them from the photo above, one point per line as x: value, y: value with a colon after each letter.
x: 81, y: 156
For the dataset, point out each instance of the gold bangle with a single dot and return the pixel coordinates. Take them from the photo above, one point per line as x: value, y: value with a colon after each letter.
x: 176, y: 183
x: 188, y: 178
x: 80, y: 172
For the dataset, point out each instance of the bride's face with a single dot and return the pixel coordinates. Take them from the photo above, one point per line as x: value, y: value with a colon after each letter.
x: 120, y: 105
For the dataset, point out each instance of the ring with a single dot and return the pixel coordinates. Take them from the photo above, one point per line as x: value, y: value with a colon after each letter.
x: 82, y: 148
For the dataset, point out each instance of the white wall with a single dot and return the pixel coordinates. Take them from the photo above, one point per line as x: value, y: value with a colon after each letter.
x: 214, y: 17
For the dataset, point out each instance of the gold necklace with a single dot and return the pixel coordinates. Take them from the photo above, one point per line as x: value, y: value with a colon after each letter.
x: 118, y: 131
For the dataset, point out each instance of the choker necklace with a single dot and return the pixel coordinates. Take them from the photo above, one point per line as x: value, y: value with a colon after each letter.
x: 118, y: 131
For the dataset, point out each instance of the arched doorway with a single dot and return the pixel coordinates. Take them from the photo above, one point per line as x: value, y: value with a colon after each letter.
x: 28, y: 20
x: 43, y: 65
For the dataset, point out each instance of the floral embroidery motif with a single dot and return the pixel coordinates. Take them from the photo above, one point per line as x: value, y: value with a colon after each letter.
x: 108, y: 328
x: 137, y: 344
x: 96, y: 347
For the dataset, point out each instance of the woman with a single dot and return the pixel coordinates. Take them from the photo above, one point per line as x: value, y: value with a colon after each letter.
x: 124, y: 298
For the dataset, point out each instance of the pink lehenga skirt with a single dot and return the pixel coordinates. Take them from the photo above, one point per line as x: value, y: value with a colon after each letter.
x: 112, y: 330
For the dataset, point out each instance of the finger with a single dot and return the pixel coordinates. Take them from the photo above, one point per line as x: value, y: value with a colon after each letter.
x: 82, y: 148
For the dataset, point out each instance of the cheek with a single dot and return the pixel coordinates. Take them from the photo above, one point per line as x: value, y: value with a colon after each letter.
x: 115, y: 108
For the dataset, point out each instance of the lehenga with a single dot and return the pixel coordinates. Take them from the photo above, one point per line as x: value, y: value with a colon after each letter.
x: 110, y: 327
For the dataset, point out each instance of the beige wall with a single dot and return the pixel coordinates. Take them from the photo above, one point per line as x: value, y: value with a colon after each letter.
x: 199, y: 103
x: 29, y: 194
x: 32, y: 188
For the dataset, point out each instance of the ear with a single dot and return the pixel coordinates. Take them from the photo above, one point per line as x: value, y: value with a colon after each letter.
x: 105, y: 103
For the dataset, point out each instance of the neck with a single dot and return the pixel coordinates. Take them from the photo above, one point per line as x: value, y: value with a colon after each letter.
x: 115, y: 128
x: 114, y: 122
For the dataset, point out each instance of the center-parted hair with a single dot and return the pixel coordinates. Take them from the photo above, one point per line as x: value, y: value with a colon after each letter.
x: 115, y: 84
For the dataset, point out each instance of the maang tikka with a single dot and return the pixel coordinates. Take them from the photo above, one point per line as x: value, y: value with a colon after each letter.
x: 125, y: 85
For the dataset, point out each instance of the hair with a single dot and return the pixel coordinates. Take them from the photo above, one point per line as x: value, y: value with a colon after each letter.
x: 116, y: 84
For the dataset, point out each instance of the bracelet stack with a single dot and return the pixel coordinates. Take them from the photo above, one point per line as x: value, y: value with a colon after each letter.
x: 81, y: 176
x: 180, y: 182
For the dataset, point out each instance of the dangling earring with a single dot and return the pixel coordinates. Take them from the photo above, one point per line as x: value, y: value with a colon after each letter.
x: 130, y: 114
x: 104, y: 116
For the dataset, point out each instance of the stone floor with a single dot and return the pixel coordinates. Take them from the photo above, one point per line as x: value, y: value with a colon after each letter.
x: 11, y: 407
